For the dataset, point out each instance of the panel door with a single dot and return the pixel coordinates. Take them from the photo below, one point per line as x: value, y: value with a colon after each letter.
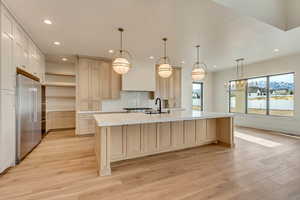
x: 95, y: 85
x: 190, y: 132
x: 133, y: 140
x: 150, y: 138
x: 7, y: 127
x: 165, y: 137
x: 211, y: 133
x: 7, y: 70
x: 116, y: 84
x: 83, y: 71
x: 177, y: 133
x: 106, y: 80
x: 118, y: 143
x: 200, y: 131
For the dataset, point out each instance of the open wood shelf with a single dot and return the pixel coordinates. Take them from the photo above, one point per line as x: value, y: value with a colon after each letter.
x: 60, y: 84
x: 59, y: 74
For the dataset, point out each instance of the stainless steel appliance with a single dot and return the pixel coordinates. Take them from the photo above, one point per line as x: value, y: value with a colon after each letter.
x: 28, y: 115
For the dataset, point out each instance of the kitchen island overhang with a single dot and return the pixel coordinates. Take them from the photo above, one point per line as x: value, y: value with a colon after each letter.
x: 131, y: 135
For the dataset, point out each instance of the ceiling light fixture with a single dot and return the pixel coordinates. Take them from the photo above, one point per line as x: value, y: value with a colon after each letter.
x: 111, y: 51
x: 199, y: 68
x: 182, y: 62
x: 47, y: 21
x: 151, y: 57
x: 56, y: 43
x: 164, y: 68
x: 240, y: 70
x: 64, y: 59
x: 121, y: 63
x: 276, y: 50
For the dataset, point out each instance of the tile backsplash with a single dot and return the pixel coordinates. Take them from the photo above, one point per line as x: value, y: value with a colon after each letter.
x: 128, y: 99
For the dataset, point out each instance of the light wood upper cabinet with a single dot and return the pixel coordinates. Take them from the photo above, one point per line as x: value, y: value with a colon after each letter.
x: 169, y: 88
x: 96, y: 81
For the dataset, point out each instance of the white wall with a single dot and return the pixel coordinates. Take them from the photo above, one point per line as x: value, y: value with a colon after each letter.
x: 275, y: 66
x: 293, y: 8
x: 187, y: 90
x: 143, y: 73
x: 270, y: 11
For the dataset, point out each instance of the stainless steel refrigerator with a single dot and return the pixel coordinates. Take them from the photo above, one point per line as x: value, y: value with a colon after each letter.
x: 28, y: 117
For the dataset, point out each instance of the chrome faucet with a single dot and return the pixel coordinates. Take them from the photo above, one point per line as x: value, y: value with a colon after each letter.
x: 159, y: 105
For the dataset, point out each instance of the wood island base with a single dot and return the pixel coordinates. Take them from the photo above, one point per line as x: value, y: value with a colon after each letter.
x: 116, y: 143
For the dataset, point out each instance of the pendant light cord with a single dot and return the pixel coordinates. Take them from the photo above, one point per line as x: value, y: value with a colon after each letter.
x: 198, y: 54
x: 165, y: 49
x: 121, y: 40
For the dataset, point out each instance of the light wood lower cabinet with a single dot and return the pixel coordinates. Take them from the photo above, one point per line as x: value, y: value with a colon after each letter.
x: 60, y: 120
x: 132, y: 141
x: 165, y: 136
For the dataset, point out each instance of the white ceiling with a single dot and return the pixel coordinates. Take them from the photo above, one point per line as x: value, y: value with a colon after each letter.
x: 283, y: 14
x: 89, y: 28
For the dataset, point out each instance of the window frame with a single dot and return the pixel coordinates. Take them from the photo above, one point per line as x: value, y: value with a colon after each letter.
x: 201, y: 95
x: 268, y: 95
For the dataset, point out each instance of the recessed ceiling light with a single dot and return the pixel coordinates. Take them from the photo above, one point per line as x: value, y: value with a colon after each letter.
x: 47, y: 21
x: 276, y: 50
x: 56, y: 43
x: 111, y: 51
x: 182, y: 62
x: 151, y: 57
x: 64, y: 59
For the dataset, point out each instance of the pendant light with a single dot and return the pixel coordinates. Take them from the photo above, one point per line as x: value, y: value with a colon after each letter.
x: 199, y: 69
x: 240, y: 72
x: 121, y: 64
x: 164, y: 68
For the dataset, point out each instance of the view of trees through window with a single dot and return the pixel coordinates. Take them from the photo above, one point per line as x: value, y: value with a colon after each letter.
x: 257, y: 96
x: 268, y: 95
x: 282, y: 95
x: 197, y: 94
x: 237, y: 96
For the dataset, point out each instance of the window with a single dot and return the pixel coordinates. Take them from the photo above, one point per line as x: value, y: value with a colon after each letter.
x: 267, y: 95
x: 197, y: 96
x: 238, y: 96
x: 257, y: 96
x: 281, y: 94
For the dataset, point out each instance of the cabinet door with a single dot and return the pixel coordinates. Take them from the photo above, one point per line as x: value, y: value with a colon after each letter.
x: 105, y: 80
x: 95, y: 85
x: 7, y: 69
x: 116, y: 84
x: 83, y: 84
x: 190, y: 132
x: 118, y: 143
x: 150, y: 138
x: 177, y: 88
x: 200, y: 131
x: 177, y: 133
x: 7, y: 130
x: 211, y: 133
x: 165, y: 138
x: 134, y: 141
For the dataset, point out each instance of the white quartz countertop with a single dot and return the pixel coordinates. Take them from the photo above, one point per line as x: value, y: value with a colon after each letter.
x: 119, y: 119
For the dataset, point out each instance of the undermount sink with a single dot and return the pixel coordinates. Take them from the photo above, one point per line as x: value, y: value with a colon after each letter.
x: 155, y: 112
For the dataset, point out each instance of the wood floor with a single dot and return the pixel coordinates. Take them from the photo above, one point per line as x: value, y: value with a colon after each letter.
x: 63, y: 167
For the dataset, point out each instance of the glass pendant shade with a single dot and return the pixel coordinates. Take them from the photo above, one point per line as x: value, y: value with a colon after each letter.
x: 165, y: 70
x: 121, y: 64
x: 198, y: 74
x: 199, y: 69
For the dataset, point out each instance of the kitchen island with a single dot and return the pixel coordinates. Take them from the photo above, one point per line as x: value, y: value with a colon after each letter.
x: 131, y: 135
